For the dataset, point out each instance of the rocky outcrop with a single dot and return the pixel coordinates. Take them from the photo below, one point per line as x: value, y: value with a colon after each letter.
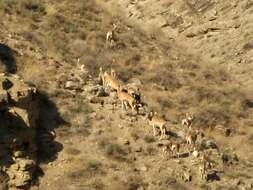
x: 18, y: 116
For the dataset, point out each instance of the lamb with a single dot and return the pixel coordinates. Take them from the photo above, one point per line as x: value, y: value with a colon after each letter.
x: 173, y: 148
x: 187, y: 121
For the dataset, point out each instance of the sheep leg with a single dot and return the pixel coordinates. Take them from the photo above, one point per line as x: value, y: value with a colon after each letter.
x: 122, y: 104
x: 126, y: 105
x: 154, y: 130
x: 162, y: 133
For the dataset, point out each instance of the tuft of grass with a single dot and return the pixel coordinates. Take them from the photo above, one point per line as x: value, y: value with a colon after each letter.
x: 73, y: 151
x: 34, y: 6
x: 250, y: 139
x: 26, y: 8
x: 80, y: 108
x: 114, y: 151
x: 94, y: 165
x: 92, y: 169
x: 149, y: 139
x: 150, y: 151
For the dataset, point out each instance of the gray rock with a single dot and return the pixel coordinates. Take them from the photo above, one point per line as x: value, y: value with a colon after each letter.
x: 72, y: 85
x: 18, y: 154
x: 143, y: 168
x: 101, y: 92
x: 140, y: 188
x: 135, y: 81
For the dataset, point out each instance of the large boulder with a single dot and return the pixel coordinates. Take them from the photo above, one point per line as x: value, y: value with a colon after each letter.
x: 18, y: 117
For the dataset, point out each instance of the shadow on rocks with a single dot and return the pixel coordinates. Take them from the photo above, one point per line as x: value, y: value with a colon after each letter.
x: 7, y: 58
x: 49, y: 119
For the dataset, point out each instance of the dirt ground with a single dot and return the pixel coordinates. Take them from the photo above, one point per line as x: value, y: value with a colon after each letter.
x: 187, y: 56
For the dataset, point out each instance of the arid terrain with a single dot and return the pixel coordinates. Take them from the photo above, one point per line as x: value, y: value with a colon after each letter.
x: 61, y: 129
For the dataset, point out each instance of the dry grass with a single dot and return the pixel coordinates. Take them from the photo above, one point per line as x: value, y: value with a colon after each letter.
x: 149, y: 139
x: 183, y: 84
x: 91, y: 169
x: 33, y: 9
x: 189, y: 83
x: 250, y: 139
x: 113, y: 151
x: 73, y: 151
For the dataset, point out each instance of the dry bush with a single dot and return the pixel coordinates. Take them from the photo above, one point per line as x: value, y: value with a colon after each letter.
x: 134, y: 182
x: 92, y: 168
x: 150, y: 151
x: 135, y: 135
x: 250, y: 139
x: 73, y: 151
x: 3, y: 181
x: 211, y: 94
x: 80, y: 107
x: 112, y: 150
x: 115, y: 151
x: 33, y: 9
x: 94, y: 165
x: 149, y: 139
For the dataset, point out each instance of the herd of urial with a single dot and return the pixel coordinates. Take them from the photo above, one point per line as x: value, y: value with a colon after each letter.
x: 130, y: 96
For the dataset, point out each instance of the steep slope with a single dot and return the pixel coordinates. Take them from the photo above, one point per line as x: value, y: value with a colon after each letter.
x: 177, y: 69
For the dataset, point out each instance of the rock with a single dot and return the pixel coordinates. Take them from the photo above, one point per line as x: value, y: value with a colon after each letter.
x: 135, y: 82
x: 72, y: 85
x: 209, y: 144
x: 7, y: 84
x: 143, y: 168
x: 96, y: 100
x: 140, y: 188
x: 91, y: 89
x: 229, y: 159
x: 126, y: 142
x: 21, y: 179
x: 19, y: 115
x: 212, y: 176
x: 223, y: 130
x: 138, y: 149
x: 18, y: 154
x: 25, y: 164
x: 101, y: 92
x: 195, y: 153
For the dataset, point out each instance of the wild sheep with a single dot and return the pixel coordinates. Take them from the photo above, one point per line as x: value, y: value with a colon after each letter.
x: 191, y: 138
x: 113, y: 73
x: 101, y: 78
x: 206, y: 161
x: 172, y: 148
x: 126, y: 99
x: 202, y: 171
x: 187, y: 121
x: 110, y: 36
x: 157, y: 121
x: 195, y: 152
x: 110, y: 81
x: 134, y: 92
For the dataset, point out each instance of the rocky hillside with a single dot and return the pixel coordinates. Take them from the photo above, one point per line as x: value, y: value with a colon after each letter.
x: 19, y: 114
x: 61, y: 129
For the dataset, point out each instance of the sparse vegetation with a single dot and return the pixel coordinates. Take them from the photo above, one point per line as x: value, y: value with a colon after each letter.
x: 73, y: 151
x: 49, y: 36
x: 116, y: 152
x: 149, y: 139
